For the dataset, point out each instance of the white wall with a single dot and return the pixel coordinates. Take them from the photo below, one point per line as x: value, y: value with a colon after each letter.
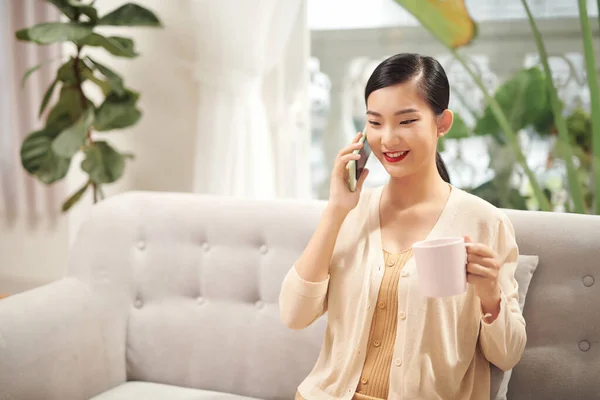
x: 163, y: 142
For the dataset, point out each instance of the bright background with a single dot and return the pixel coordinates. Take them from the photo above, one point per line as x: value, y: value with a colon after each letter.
x: 311, y: 103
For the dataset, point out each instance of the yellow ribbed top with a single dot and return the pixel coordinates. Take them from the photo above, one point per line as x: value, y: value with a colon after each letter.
x: 374, y: 382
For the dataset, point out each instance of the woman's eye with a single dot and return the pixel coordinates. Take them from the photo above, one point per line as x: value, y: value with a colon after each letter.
x: 374, y: 123
x: 408, y: 121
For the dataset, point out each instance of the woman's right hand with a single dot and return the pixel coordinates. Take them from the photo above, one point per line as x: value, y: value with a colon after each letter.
x: 341, y: 198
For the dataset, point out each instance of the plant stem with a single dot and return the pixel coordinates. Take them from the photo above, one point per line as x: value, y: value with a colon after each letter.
x: 564, y: 143
x: 83, y: 99
x: 592, y: 77
x: 513, y: 139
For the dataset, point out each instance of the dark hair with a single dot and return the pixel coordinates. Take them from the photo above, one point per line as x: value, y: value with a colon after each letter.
x: 431, y: 80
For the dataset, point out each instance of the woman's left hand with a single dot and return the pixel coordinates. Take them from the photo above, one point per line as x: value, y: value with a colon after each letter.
x: 483, y: 267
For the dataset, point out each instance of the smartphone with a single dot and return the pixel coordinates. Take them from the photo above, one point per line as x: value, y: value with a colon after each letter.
x: 356, y: 167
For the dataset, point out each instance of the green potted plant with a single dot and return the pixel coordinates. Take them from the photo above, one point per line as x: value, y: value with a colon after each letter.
x: 71, y: 121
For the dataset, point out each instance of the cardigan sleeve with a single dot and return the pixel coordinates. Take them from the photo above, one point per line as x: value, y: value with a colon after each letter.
x: 503, y: 340
x: 302, y: 302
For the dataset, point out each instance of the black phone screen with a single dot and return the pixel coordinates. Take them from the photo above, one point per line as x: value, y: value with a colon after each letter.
x: 364, y: 152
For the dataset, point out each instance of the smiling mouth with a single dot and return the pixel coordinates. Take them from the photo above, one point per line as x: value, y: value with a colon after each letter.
x: 396, y: 156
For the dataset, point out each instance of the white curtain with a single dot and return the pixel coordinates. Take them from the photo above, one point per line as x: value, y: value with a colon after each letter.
x: 251, y: 69
x: 20, y: 194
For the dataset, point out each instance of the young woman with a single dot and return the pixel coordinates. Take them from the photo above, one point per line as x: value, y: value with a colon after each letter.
x: 384, y: 340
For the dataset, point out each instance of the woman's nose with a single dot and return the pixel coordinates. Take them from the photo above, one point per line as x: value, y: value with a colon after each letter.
x: 389, y: 137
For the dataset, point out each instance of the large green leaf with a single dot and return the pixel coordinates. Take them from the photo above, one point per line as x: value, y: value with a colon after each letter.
x: 38, y: 158
x: 115, y: 45
x: 54, y: 168
x: 75, y: 197
x: 447, y: 20
x: 72, y: 139
x: 523, y: 99
x: 54, y: 32
x: 115, y: 80
x: 34, y: 149
x: 63, y: 5
x: 130, y: 15
x: 103, y: 85
x: 47, y: 97
x: 67, y: 72
x: 103, y: 163
x: 543, y: 122
x: 117, y: 112
x: 68, y: 109
x: 72, y: 9
x: 579, y: 124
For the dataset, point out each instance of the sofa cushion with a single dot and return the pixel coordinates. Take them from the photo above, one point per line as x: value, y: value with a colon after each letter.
x: 523, y: 274
x: 157, y: 391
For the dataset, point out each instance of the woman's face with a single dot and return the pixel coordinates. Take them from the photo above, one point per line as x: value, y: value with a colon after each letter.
x: 402, y: 129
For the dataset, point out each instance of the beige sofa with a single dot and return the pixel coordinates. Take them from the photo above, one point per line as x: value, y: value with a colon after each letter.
x: 174, y: 296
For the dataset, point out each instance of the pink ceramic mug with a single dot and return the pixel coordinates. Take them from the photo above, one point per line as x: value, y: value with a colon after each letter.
x: 441, y: 266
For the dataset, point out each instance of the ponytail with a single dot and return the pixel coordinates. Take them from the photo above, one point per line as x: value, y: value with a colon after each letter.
x: 441, y: 167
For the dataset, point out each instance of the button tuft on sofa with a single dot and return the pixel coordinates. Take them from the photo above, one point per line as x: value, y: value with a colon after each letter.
x: 200, y: 300
x: 205, y: 246
x: 259, y: 304
x: 138, y: 303
x: 588, y: 280
x: 264, y: 249
x: 141, y: 245
x: 584, y: 345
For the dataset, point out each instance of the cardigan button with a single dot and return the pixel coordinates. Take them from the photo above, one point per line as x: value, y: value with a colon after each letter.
x: 588, y: 280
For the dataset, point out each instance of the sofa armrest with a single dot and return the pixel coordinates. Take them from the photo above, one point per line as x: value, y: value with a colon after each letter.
x: 59, y: 342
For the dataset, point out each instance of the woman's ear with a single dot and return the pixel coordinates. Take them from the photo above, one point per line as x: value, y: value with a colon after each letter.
x: 444, y: 122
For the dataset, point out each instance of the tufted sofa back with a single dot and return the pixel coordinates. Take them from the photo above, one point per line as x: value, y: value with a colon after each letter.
x: 191, y: 283
x: 562, y: 307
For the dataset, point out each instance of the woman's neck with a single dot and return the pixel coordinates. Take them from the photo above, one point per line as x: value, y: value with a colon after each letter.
x: 422, y: 187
